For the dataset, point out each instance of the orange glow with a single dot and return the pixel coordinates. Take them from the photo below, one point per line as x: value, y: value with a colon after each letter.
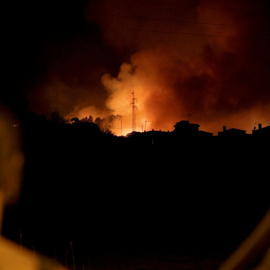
x: 170, y: 88
x: 210, y: 71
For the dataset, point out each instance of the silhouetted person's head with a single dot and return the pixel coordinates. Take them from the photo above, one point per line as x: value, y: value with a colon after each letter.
x: 11, y: 158
x: 12, y: 256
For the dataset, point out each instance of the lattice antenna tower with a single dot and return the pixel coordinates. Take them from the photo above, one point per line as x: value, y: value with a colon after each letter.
x: 134, y: 107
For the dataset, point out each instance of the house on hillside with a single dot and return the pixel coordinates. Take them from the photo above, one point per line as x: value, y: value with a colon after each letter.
x: 149, y: 137
x: 184, y: 128
x: 261, y: 131
x: 232, y: 132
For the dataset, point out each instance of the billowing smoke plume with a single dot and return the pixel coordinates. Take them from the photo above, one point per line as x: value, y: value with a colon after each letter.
x: 201, y: 60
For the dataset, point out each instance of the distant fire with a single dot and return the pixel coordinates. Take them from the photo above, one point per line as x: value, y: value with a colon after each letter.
x: 183, y: 61
x: 169, y: 89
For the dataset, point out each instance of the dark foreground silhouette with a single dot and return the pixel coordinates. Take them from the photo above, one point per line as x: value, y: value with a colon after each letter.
x: 89, y: 193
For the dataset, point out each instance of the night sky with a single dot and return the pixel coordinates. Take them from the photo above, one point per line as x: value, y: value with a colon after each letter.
x: 206, y: 59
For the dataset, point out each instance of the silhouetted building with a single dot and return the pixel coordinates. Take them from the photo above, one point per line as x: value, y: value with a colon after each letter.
x: 232, y: 132
x: 184, y: 128
x: 261, y: 131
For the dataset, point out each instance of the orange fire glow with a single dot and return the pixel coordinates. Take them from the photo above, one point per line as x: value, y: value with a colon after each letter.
x: 191, y: 61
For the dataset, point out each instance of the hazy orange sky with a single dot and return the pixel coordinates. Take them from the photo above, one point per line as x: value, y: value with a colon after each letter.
x: 201, y: 60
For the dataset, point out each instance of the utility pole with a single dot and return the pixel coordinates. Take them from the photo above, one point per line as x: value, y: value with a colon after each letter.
x: 121, y: 125
x: 145, y: 125
x: 121, y: 122
x: 73, y: 257
x: 21, y: 237
x: 133, y: 103
x: 66, y: 259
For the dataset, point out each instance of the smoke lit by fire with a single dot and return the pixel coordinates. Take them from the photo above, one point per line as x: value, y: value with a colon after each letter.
x: 201, y: 60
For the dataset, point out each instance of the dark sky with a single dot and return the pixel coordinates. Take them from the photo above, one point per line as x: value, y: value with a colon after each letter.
x: 205, y: 58
x: 49, y: 43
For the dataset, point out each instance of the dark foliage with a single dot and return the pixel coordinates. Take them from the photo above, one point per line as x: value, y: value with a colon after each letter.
x: 105, y: 192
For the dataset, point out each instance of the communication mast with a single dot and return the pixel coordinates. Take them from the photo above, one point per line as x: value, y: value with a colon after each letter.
x: 121, y: 119
x: 133, y: 104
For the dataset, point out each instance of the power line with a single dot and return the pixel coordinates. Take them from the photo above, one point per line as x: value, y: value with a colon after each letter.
x: 133, y: 112
x: 166, y: 20
x: 174, y: 6
x: 236, y: 8
x: 112, y: 28
x: 161, y: 19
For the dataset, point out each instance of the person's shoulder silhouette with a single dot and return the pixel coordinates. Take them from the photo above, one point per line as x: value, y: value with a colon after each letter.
x: 13, y: 256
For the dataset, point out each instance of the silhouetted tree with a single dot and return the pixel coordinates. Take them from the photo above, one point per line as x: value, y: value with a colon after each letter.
x: 56, y: 117
x: 106, y: 124
x: 75, y: 120
x: 90, y: 119
x: 87, y: 119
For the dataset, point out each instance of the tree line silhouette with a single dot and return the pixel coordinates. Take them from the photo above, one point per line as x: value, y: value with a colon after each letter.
x: 182, y: 128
